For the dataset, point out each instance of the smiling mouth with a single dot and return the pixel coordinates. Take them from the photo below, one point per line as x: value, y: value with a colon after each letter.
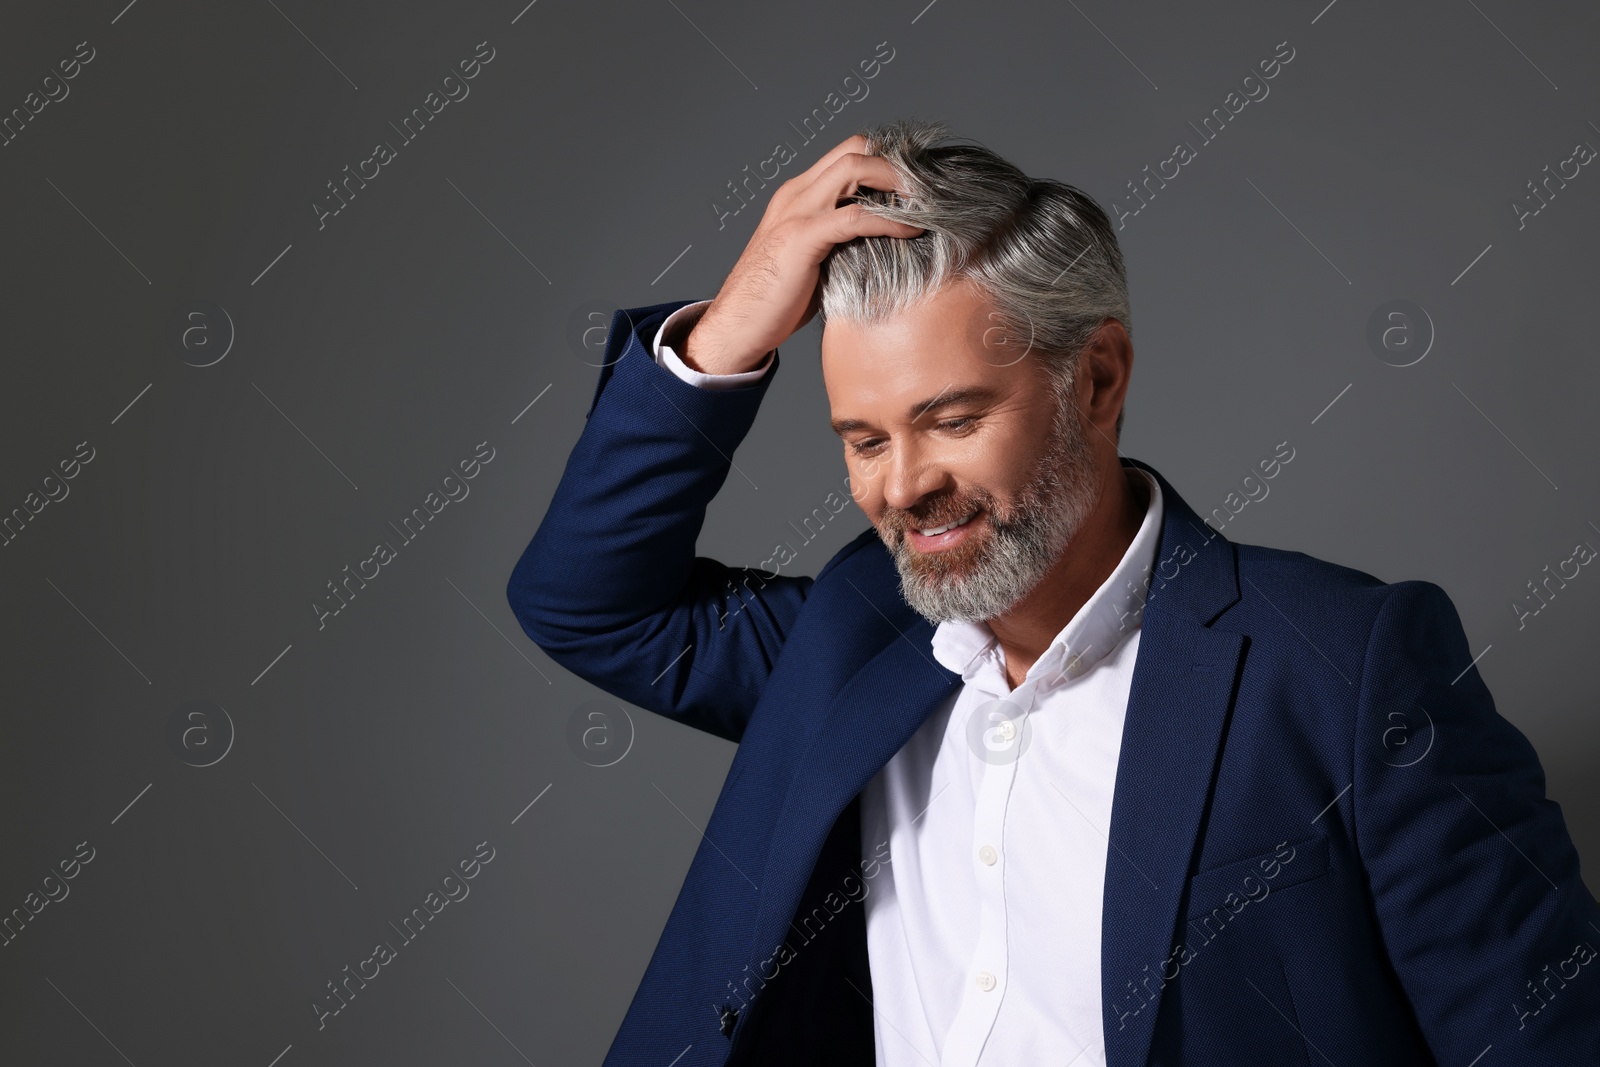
x: 934, y: 531
x: 946, y: 539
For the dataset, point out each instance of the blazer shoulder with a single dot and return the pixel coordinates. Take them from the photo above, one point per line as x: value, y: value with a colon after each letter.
x: 1298, y: 574
x: 1340, y: 611
x: 1330, y: 604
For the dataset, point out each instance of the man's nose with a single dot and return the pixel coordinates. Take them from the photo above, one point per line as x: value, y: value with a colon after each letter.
x: 911, y: 476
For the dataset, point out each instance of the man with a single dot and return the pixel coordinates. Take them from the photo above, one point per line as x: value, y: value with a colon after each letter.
x: 1040, y: 768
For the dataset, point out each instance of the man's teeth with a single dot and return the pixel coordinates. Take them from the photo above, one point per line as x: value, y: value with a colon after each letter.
x: 937, y: 530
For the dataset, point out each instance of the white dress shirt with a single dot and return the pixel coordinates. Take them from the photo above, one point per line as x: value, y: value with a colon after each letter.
x: 983, y: 929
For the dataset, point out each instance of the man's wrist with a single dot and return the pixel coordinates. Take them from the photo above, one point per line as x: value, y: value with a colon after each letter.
x: 676, y: 333
x: 698, y: 356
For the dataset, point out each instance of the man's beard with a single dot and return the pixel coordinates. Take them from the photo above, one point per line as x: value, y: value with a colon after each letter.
x: 1004, y: 559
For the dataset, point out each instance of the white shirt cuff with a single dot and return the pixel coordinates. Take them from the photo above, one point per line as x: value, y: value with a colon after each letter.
x: 669, y: 359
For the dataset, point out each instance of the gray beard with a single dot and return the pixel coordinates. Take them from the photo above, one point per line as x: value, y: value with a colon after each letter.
x: 1010, y: 556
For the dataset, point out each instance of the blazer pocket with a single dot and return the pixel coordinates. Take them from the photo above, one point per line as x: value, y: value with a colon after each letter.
x: 1258, y: 877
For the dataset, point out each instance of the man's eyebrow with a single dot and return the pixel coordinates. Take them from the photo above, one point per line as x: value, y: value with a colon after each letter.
x: 968, y: 395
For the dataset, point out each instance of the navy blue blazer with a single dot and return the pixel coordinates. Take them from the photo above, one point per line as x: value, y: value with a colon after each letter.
x: 1326, y: 846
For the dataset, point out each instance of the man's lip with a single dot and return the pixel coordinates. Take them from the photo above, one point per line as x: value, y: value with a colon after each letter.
x: 946, y: 540
x: 962, y: 518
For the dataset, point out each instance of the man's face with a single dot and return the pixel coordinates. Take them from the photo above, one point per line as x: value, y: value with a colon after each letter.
x: 944, y: 422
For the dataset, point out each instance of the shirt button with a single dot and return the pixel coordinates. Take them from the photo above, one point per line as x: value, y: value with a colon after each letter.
x: 1008, y: 729
x: 988, y: 855
x: 985, y: 981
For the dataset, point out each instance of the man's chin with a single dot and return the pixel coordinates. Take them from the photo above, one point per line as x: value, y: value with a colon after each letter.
x: 921, y: 588
x: 943, y: 604
x: 942, y: 572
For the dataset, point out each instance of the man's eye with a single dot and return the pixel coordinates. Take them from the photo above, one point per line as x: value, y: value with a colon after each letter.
x: 862, y: 448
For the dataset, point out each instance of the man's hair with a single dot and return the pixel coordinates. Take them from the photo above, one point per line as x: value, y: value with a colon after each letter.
x: 1043, y: 252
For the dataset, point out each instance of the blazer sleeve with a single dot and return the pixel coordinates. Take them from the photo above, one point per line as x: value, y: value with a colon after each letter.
x: 1474, y: 878
x: 610, y: 586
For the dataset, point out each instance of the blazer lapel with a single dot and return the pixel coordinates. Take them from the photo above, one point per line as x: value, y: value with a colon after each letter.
x: 1177, y: 710
x: 873, y: 716
x: 1178, y: 706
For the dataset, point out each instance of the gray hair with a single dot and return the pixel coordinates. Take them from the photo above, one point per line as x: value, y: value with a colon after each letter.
x: 1043, y: 252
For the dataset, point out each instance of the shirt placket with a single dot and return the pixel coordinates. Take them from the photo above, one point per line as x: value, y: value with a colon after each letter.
x: 987, y: 972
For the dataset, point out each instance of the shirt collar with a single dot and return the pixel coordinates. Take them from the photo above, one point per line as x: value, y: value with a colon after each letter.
x: 1112, y: 612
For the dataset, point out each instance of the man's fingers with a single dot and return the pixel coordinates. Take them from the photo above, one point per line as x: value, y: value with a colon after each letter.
x: 843, y: 177
x: 853, y: 220
x: 772, y: 289
x: 854, y: 143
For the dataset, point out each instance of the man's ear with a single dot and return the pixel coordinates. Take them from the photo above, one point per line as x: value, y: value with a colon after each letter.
x: 1105, y: 366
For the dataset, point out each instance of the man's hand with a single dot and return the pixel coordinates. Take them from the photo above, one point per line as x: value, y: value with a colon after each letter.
x: 772, y: 291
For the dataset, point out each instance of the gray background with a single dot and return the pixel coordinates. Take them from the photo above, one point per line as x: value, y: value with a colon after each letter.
x: 369, y: 756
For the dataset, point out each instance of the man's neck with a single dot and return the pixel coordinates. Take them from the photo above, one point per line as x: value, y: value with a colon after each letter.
x: 1025, y: 632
